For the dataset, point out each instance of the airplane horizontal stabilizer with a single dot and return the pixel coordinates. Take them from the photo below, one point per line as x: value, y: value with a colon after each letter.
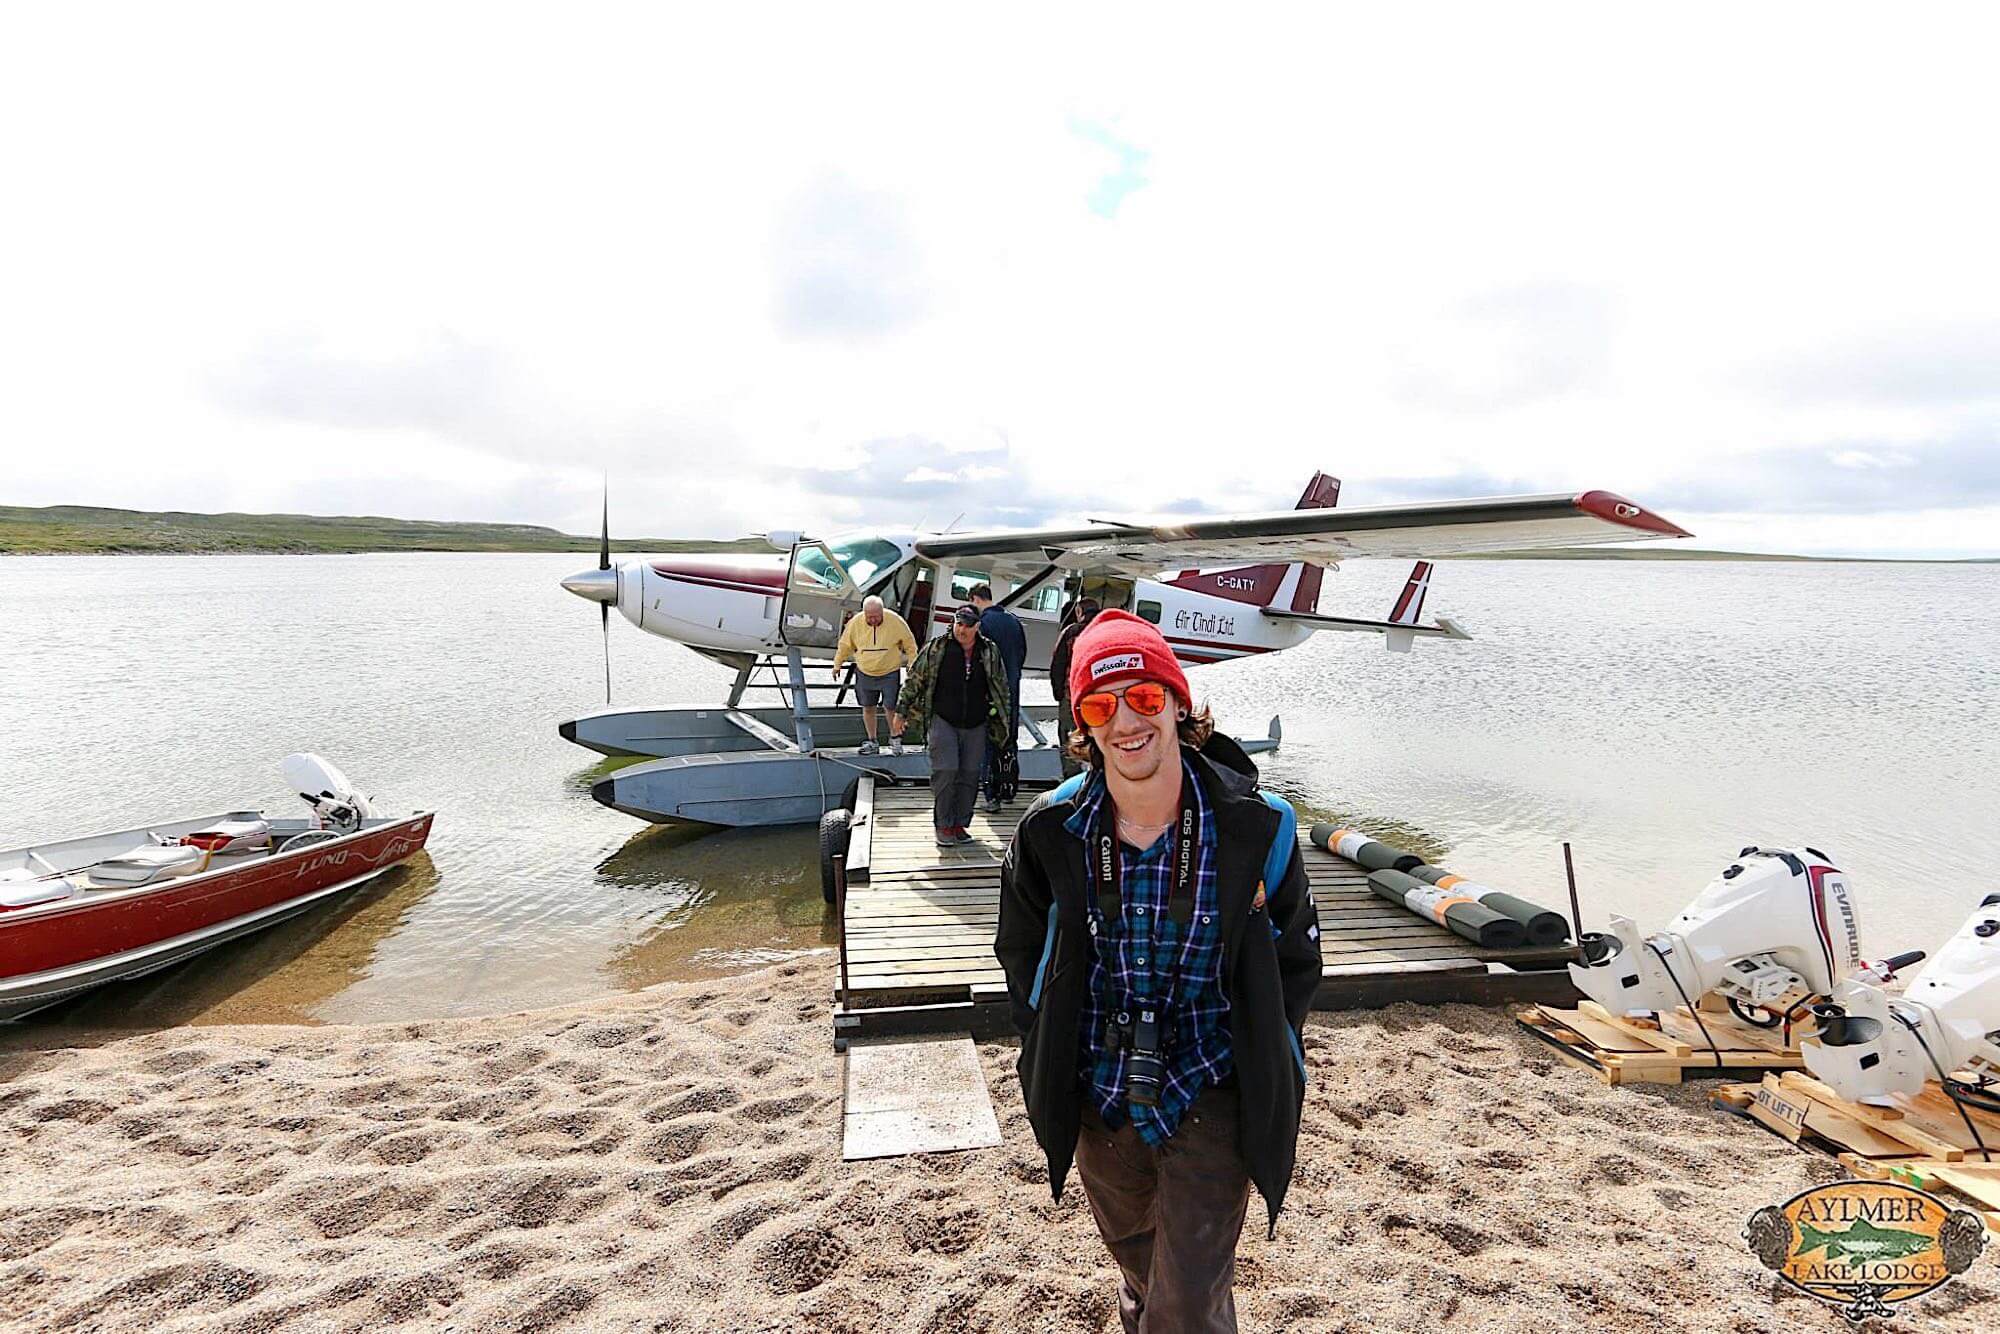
x: 1397, y: 635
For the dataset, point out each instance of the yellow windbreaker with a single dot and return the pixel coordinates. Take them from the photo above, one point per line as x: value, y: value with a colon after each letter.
x: 877, y: 649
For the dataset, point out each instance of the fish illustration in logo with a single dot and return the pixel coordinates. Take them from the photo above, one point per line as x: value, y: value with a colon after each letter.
x: 1863, y: 1241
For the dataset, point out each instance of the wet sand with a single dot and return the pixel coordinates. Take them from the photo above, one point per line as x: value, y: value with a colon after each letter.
x: 670, y: 1160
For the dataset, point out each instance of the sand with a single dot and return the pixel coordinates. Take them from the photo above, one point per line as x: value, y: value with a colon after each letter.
x: 670, y: 1160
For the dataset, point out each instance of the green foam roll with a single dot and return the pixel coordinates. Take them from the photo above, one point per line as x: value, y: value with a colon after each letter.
x: 1543, y: 926
x: 1458, y: 913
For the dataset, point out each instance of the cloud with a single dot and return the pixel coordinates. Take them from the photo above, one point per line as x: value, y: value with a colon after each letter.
x: 907, y: 480
x: 1935, y: 365
x: 846, y: 263
x: 437, y: 381
x: 727, y: 283
x: 1958, y: 473
x: 1127, y: 174
x: 1510, y: 346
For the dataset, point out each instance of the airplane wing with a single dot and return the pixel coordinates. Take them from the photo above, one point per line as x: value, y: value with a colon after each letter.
x: 1327, y: 536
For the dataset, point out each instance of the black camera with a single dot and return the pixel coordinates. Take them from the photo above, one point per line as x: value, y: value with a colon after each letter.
x: 1145, y: 1064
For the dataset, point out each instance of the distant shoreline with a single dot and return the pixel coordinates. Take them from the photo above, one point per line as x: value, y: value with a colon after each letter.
x: 84, y: 530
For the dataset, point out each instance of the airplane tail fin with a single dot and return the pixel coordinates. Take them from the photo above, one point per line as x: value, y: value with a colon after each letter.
x: 1404, y: 624
x: 1409, y: 609
x: 1293, y: 587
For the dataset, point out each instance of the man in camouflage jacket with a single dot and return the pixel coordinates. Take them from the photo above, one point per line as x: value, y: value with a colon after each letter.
x: 956, y: 703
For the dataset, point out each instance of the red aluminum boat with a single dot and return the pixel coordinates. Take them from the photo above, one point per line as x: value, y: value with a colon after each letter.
x: 80, y: 913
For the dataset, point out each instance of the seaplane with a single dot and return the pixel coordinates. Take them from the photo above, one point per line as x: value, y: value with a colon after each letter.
x: 1219, y: 588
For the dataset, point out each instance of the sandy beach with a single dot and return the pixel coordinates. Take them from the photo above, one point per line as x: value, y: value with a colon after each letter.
x: 670, y: 1160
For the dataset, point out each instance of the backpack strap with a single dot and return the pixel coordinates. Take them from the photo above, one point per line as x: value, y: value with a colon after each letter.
x: 1283, y: 843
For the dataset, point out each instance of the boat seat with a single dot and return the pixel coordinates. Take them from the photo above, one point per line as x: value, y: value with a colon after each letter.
x: 23, y: 888
x: 245, y: 834
x: 142, y: 866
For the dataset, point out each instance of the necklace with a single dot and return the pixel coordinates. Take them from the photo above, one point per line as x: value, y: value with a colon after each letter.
x: 1132, y: 826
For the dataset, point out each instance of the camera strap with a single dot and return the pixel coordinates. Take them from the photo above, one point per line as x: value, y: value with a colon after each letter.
x: 1106, y: 857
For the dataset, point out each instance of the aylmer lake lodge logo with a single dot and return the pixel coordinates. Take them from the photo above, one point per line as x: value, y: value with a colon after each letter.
x: 1865, y: 1245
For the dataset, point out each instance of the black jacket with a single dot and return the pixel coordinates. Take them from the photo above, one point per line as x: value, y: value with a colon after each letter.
x: 1269, y: 978
x: 1059, y: 659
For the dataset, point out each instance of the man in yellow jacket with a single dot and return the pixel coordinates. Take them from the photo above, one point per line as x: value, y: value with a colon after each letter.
x: 880, y: 645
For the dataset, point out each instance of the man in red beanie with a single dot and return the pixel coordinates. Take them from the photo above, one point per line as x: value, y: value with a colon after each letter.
x: 1161, y: 951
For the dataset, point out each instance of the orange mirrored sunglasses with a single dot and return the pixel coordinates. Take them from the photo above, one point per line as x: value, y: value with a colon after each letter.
x: 1147, y: 699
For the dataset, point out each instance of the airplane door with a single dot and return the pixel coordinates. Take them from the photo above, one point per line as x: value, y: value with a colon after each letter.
x: 1112, y: 592
x: 820, y: 598
x: 923, y: 596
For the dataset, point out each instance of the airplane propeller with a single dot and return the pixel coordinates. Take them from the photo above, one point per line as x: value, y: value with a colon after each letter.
x: 604, y: 608
x: 600, y: 585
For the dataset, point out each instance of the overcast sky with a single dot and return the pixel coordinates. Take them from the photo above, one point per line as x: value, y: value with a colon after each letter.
x: 1736, y: 262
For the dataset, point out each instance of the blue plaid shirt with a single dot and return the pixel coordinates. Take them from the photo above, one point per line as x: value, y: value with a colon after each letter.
x: 1136, y: 956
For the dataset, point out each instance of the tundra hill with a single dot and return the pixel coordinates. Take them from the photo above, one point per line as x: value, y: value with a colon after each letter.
x: 83, y: 529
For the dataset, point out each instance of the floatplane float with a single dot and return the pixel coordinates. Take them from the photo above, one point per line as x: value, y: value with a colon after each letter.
x: 1220, y: 589
x: 80, y: 913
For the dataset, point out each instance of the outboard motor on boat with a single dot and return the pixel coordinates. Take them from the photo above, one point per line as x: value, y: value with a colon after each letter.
x: 1777, y: 922
x: 335, y: 802
x: 1871, y: 1045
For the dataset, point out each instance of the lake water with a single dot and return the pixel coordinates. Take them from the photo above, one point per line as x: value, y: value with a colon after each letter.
x: 1657, y: 715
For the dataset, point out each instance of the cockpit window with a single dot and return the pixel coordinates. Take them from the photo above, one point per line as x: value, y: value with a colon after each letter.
x: 863, y: 558
x: 867, y: 557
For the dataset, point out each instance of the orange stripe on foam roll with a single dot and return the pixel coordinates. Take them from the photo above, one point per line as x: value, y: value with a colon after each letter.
x: 1438, y: 908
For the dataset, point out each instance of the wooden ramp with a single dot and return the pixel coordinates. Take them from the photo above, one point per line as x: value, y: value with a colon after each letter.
x: 919, y: 921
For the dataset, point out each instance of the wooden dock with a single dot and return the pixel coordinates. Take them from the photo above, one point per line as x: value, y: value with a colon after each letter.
x: 919, y: 922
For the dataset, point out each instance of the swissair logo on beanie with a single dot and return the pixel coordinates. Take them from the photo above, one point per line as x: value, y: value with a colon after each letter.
x: 1121, y: 662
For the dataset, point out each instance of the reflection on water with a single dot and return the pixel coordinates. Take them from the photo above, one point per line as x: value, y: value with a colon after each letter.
x: 277, y: 976
x: 719, y: 903
x: 1393, y: 830
x: 1660, y: 716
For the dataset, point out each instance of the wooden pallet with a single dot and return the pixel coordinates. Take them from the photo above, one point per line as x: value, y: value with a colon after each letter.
x: 1921, y: 1141
x: 1628, y: 1051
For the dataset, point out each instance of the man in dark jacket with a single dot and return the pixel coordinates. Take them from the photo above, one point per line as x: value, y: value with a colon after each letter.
x: 956, y: 702
x: 1161, y: 951
x: 1079, y: 615
x: 1004, y: 628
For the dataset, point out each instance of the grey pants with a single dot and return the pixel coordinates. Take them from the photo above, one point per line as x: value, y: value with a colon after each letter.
x: 957, y: 755
x: 1170, y: 1215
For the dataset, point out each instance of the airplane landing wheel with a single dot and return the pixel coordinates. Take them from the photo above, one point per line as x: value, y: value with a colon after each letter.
x: 832, y: 843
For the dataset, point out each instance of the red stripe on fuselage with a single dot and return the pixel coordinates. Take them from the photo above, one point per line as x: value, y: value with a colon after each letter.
x: 761, y: 590
x: 732, y: 575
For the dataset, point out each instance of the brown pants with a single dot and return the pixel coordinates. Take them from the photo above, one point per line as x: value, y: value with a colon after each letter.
x: 1170, y: 1215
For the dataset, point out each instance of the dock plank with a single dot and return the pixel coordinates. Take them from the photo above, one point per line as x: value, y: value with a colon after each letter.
x: 919, y: 928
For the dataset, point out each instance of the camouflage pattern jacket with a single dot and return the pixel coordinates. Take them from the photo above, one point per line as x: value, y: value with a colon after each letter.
x: 921, y: 683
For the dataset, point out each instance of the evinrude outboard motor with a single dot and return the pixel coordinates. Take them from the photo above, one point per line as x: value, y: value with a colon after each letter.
x: 1778, y: 921
x: 335, y: 803
x: 1871, y: 1045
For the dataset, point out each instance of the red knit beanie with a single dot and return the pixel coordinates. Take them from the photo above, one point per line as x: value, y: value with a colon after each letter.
x: 1117, y: 646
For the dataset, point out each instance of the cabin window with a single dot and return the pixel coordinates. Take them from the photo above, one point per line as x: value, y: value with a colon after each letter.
x: 964, y: 581
x: 1149, y: 611
x: 862, y: 557
x: 1047, y: 597
x: 867, y: 557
